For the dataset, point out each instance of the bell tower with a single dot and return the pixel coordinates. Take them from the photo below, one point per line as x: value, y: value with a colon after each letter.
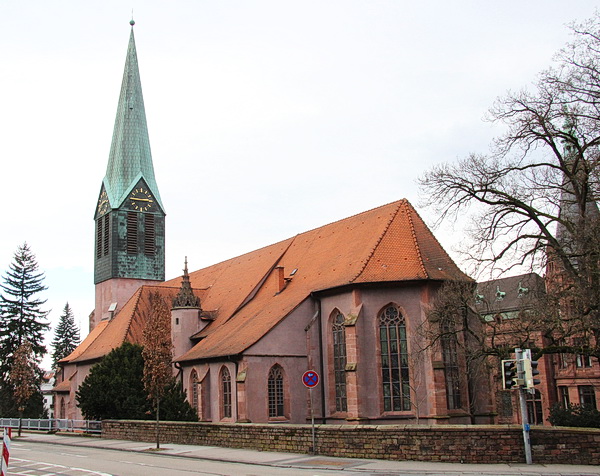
x: 129, y: 249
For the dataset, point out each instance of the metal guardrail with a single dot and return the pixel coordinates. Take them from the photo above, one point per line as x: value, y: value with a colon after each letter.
x: 53, y: 424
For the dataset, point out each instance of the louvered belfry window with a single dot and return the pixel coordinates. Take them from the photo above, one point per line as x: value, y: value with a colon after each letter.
x: 394, y: 360
x: 339, y: 362
x: 149, y: 235
x: 132, y: 232
x: 106, y: 234
x: 99, y: 238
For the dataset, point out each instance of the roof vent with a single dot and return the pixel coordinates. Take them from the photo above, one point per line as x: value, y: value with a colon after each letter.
x: 111, y: 310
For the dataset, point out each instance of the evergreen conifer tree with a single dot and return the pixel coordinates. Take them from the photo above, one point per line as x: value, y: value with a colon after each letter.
x: 21, y: 320
x: 66, y: 336
x: 21, y: 316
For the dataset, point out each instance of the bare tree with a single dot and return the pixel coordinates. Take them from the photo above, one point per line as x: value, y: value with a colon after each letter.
x: 157, y: 354
x: 22, y: 377
x: 532, y: 198
x: 457, y: 332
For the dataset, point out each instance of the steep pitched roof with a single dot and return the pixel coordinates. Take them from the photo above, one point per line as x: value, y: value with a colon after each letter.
x: 130, y: 158
x: 127, y: 325
x: 386, y: 244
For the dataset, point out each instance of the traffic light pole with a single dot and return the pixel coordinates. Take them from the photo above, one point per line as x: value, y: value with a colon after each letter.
x: 523, y: 405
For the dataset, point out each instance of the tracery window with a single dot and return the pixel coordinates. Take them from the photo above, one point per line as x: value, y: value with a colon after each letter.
x: 452, y: 374
x: 225, y: 393
x: 339, y: 362
x: 194, y: 390
x: 275, y: 391
x: 394, y: 360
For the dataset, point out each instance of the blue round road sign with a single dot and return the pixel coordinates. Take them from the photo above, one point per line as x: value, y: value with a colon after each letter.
x: 310, y: 378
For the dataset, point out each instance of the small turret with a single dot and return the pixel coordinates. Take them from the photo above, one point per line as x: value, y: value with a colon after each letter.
x: 185, y: 316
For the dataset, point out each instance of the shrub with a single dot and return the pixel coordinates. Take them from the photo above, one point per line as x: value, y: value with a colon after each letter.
x: 574, y: 415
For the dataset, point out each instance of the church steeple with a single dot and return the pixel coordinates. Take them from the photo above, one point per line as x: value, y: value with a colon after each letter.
x: 130, y: 218
x: 130, y: 158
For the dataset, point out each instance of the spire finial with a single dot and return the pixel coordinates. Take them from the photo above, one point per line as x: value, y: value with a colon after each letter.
x: 186, y: 296
x: 131, y: 22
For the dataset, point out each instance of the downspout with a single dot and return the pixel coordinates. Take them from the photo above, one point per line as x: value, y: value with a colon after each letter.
x: 321, y: 359
x: 237, y: 410
x: 470, y: 376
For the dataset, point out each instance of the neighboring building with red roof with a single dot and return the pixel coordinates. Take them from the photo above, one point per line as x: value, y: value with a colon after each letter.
x: 346, y: 300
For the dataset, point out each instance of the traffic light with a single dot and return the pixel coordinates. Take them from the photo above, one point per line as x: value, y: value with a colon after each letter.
x: 530, y: 367
x: 509, y: 374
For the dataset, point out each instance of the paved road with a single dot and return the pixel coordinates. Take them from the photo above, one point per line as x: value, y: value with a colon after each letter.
x: 39, y: 459
x: 37, y: 454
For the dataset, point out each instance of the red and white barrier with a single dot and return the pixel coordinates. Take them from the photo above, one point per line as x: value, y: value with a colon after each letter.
x: 5, y: 452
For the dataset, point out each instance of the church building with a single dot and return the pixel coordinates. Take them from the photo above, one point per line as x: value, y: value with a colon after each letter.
x: 346, y: 301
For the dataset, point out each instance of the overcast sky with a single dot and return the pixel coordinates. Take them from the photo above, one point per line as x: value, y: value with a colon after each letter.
x: 266, y: 118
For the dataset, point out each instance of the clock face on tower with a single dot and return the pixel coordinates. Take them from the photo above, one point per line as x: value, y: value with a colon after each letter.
x: 103, y: 203
x: 141, y: 199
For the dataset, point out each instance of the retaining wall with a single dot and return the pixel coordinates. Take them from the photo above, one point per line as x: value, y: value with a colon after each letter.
x: 453, y: 444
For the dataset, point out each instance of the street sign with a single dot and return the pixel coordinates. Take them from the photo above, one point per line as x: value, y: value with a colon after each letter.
x: 310, y: 378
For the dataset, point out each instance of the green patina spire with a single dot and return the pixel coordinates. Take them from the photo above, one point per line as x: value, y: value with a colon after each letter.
x: 130, y: 158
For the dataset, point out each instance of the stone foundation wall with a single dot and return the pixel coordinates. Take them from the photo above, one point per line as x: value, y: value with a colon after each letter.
x: 452, y: 444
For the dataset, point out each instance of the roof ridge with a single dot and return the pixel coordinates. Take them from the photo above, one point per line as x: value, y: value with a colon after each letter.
x: 416, y: 242
x: 399, y: 202
x: 379, y: 239
x: 138, y: 295
x: 293, y: 238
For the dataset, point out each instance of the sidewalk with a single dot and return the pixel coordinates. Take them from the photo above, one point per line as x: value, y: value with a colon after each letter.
x: 294, y: 460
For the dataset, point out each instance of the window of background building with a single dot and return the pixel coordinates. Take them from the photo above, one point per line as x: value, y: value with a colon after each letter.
x: 587, y: 396
x: 583, y: 361
x: 534, y: 408
x: 563, y: 394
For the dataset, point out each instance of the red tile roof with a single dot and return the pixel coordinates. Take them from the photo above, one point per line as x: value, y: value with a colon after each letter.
x: 65, y: 385
x: 126, y: 326
x: 387, y: 244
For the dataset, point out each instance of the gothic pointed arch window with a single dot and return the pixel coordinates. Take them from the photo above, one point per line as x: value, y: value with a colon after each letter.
x: 338, y: 331
x: 394, y: 360
x: 225, y: 393
x: 193, y: 395
x: 449, y: 345
x: 275, y: 390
